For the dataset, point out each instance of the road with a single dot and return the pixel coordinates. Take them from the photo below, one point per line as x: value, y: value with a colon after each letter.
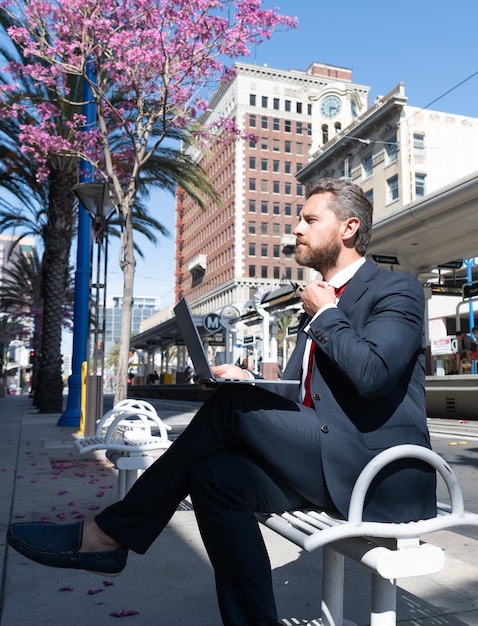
x: 457, y: 443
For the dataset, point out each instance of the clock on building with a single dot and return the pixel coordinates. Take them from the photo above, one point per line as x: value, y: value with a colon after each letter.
x: 330, y: 106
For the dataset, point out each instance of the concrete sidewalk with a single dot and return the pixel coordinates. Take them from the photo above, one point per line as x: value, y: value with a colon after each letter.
x: 43, y: 477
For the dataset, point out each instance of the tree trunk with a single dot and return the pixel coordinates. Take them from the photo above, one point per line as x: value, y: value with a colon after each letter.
x: 57, y: 237
x: 128, y: 267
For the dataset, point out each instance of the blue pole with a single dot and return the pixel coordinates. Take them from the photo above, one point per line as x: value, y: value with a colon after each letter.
x: 469, y: 278
x: 72, y: 414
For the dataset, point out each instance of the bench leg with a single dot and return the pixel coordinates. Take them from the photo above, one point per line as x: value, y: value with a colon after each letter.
x: 332, y: 606
x: 121, y: 484
x: 384, y: 601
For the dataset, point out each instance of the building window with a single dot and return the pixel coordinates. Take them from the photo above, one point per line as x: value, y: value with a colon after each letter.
x: 264, y: 228
x: 276, y: 229
x: 264, y: 144
x: 252, y: 184
x: 276, y: 145
x: 276, y: 186
x: 275, y: 104
x: 300, y: 190
x: 276, y: 208
x: 252, y: 99
x: 298, y: 107
x: 287, y: 105
x: 299, y: 128
x: 287, y: 147
x: 276, y: 251
x: 253, y: 142
x: 252, y: 249
x: 288, y: 229
x: 309, y: 109
x: 264, y: 207
x: 369, y: 195
x: 276, y: 123
x: 392, y: 187
x: 252, y: 163
x: 252, y: 271
x: 252, y: 228
x: 287, y: 126
x: 252, y: 120
x: 299, y: 148
x: 276, y: 273
x: 264, y: 249
x: 288, y: 209
x: 263, y: 271
x: 391, y: 150
x: 298, y: 209
x: 264, y: 185
x: 287, y: 167
x: 264, y: 122
x: 300, y: 273
x: 419, y: 146
x: 309, y: 130
x: 252, y: 206
x: 420, y: 185
x: 264, y: 102
x: 287, y: 189
x: 367, y: 166
x: 325, y: 133
x: 264, y: 165
x: 276, y: 166
x: 288, y: 273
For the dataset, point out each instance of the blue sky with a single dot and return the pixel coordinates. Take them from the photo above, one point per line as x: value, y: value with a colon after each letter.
x: 428, y: 45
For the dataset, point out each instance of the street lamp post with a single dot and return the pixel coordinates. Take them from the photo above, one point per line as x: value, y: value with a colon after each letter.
x: 97, y: 200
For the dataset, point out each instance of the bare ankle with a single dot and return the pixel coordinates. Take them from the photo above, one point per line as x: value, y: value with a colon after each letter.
x: 95, y: 540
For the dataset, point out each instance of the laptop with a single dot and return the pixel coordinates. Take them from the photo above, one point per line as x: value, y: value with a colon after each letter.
x: 197, y: 352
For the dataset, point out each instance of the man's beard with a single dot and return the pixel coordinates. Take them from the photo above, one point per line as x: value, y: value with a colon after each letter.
x: 320, y: 259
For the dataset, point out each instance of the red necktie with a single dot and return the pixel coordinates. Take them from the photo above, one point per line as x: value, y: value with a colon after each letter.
x: 307, y: 401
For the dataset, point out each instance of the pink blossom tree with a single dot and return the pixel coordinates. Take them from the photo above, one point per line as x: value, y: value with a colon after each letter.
x: 155, y: 66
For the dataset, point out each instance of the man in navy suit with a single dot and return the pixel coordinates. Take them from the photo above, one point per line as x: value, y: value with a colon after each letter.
x: 251, y: 450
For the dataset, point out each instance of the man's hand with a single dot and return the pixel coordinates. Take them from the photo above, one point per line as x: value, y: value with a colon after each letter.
x: 229, y: 371
x: 316, y: 295
x: 222, y: 371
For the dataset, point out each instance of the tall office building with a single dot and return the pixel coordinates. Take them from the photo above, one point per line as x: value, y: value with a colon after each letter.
x: 143, y: 308
x: 225, y: 254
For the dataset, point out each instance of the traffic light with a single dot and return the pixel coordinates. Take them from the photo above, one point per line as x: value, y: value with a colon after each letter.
x: 32, y: 356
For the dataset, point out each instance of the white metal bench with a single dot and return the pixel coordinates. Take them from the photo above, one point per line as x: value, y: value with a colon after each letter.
x: 388, y: 550
x: 125, y: 433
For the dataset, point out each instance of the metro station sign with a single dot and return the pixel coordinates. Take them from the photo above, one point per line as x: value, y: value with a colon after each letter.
x: 470, y: 290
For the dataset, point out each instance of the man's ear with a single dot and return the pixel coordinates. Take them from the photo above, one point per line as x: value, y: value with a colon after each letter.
x: 350, y: 228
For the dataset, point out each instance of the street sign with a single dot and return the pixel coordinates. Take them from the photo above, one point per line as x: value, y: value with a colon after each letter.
x: 470, y: 290
x: 212, y: 322
x: 451, y: 265
x: 385, y: 259
x: 248, y: 340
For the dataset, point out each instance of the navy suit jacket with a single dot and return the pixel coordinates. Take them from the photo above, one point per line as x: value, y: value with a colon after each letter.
x: 368, y: 389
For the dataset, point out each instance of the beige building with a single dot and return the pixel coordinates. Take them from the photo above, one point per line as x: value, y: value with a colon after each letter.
x: 398, y: 153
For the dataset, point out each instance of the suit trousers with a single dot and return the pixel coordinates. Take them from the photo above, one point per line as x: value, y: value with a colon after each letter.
x: 246, y: 450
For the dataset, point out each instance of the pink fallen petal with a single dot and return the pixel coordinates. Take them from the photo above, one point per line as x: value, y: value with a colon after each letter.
x: 108, y: 583
x: 93, y: 507
x: 124, y: 613
x: 67, y: 588
x: 62, y: 492
x: 92, y: 592
x: 99, y: 494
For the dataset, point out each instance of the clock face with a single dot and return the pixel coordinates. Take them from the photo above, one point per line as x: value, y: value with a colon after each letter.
x: 330, y: 106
